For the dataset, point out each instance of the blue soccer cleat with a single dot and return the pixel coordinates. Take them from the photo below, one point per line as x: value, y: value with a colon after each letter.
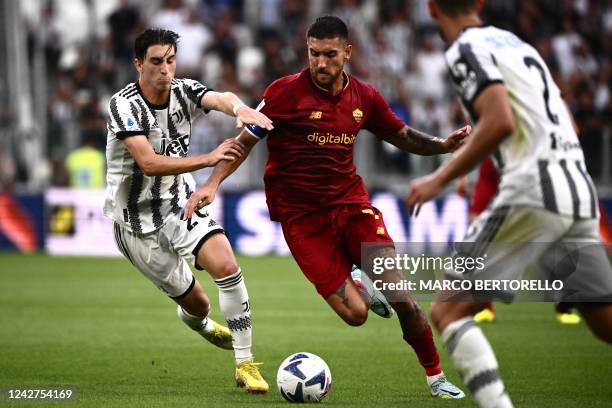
x: 444, y: 389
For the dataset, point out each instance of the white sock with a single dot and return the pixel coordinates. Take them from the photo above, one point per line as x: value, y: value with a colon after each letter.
x: 234, y: 303
x: 476, y: 363
x: 197, y: 323
x: 433, y: 378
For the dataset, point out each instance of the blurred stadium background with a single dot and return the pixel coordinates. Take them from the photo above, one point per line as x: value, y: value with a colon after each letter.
x: 61, y: 60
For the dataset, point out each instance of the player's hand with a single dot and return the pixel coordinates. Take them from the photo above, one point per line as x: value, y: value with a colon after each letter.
x: 422, y: 190
x: 199, y: 199
x: 456, y: 139
x: 248, y: 116
x: 230, y: 150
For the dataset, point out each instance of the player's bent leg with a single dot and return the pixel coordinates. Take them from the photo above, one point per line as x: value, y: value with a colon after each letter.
x: 415, y: 328
x: 598, y: 316
x: 217, y: 257
x: 418, y: 334
x: 371, y: 296
x: 193, y: 310
x: 470, y: 351
x: 442, y: 313
x: 348, y: 303
x: 195, y: 301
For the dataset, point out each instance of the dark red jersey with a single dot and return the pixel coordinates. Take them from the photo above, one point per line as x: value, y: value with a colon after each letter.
x: 310, y: 164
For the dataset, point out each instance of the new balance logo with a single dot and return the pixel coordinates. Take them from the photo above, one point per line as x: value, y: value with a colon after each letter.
x: 316, y: 115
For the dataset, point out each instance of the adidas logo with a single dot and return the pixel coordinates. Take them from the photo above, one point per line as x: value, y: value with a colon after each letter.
x: 212, y: 223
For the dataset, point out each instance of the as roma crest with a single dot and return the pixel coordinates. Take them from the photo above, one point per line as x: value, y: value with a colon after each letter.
x: 357, y: 115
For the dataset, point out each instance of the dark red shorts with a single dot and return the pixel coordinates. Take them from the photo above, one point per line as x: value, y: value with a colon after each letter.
x: 327, y: 243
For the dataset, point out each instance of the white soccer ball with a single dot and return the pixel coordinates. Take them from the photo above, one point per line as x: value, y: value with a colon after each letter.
x: 303, y: 377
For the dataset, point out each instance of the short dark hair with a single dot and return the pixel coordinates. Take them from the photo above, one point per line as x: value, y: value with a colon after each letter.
x: 154, y: 36
x: 456, y: 7
x: 328, y: 27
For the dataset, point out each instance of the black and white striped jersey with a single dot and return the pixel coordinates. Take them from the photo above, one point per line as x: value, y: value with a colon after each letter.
x: 541, y: 164
x: 137, y: 201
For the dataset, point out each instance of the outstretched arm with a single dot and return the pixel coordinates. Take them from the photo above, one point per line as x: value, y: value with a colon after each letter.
x: 206, y: 194
x: 495, y: 124
x: 413, y: 141
x: 230, y: 104
x: 153, y: 164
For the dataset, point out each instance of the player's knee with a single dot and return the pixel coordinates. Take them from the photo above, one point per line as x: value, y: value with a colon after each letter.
x: 227, y: 268
x: 358, y: 316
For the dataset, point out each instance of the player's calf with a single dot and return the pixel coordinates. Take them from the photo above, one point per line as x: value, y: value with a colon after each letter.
x: 348, y: 304
x: 471, y: 352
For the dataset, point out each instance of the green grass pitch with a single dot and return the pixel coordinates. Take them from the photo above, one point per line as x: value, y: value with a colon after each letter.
x: 98, y: 326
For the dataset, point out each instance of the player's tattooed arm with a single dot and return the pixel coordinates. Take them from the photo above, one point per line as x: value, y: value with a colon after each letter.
x: 417, y: 142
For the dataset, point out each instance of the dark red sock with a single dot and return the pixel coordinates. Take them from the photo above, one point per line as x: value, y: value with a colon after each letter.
x: 425, y: 349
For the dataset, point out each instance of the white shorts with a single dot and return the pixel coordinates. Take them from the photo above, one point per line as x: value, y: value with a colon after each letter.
x: 512, y: 238
x: 163, y: 255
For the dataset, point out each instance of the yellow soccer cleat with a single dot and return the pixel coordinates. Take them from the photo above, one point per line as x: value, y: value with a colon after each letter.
x: 485, y: 316
x: 249, y: 377
x: 568, y: 318
x: 220, y: 335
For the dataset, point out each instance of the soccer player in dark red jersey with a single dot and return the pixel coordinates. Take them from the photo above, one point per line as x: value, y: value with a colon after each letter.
x: 313, y: 190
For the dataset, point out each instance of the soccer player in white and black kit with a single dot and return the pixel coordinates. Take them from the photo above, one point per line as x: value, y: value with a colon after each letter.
x: 545, y: 194
x: 148, y: 181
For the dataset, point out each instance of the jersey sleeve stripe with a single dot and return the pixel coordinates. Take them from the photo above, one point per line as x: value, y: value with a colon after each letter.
x: 482, y: 78
x: 470, y: 58
x: 115, y: 112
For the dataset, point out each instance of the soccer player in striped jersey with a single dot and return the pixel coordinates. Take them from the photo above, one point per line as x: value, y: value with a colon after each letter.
x: 148, y: 181
x: 313, y: 189
x: 485, y: 190
x: 545, y: 194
